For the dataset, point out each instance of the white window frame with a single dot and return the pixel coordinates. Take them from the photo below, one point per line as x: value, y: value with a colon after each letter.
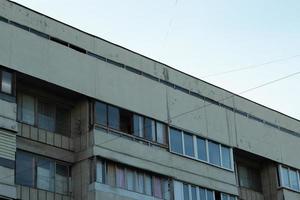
x: 281, y: 178
x: 195, y: 157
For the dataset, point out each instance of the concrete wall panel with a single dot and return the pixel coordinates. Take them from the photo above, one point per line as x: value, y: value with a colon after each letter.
x: 161, y: 161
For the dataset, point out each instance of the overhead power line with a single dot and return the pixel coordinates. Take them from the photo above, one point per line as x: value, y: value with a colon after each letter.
x: 251, y: 66
x: 245, y: 91
x: 184, y: 113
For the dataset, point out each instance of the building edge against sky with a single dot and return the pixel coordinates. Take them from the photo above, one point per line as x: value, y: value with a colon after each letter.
x: 82, y: 118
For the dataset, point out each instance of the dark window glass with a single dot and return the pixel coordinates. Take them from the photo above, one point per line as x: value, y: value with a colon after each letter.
x: 46, y: 116
x: 62, y: 121
x: 226, y: 157
x: 194, y: 193
x: 25, y: 169
x: 101, y: 113
x: 62, y: 179
x: 186, y: 195
x: 188, y: 145
x: 113, y: 117
x: 149, y: 129
x: 249, y: 177
x: 6, y: 85
x: 214, y: 153
x: 201, y: 148
x: 126, y: 121
x: 176, y: 141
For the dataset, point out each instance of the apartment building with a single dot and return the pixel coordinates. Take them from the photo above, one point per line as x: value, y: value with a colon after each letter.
x: 83, y: 118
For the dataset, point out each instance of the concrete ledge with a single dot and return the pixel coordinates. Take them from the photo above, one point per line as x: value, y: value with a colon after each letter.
x: 104, y: 191
x: 9, y: 191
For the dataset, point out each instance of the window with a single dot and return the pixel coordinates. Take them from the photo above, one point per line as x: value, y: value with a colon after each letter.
x: 227, y: 197
x: 226, y: 157
x: 194, y: 192
x: 161, y: 131
x: 285, y: 177
x: 188, y: 145
x: 157, y: 187
x: 99, y: 171
x: 176, y: 141
x: 127, y: 122
x: 6, y: 82
x: 113, y: 117
x: 62, y: 120
x: 289, y: 178
x: 249, y: 177
x: 132, y: 179
x: 186, y: 192
x: 62, y: 179
x: 148, y: 184
x: 27, y: 110
x: 45, y: 115
x: 214, y: 153
x: 210, y: 195
x: 101, y: 113
x: 201, y: 147
x: 120, y: 177
x: 149, y: 129
x: 139, y: 186
x: 110, y: 177
x: 202, y: 193
x: 43, y: 173
x: 138, y: 125
x: 25, y: 171
x: 294, y: 179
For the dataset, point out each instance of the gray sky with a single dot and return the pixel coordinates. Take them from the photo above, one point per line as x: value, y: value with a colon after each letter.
x: 202, y: 38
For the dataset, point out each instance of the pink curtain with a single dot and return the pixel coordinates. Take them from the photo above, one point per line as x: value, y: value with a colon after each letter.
x: 120, y: 177
x: 157, y: 187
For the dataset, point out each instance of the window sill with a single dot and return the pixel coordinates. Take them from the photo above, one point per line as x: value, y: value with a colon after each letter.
x: 131, y: 137
x: 202, y: 161
x: 289, y: 189
x: 104, y: 188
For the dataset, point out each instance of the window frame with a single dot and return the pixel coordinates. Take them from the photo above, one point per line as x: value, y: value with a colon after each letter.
x: 13, y: 81
x: 143, y: 118
x: 195, y: 146
x: 136, y: 174
x: 36, y: 100
x: 289, y: 187
x: 35, y: 173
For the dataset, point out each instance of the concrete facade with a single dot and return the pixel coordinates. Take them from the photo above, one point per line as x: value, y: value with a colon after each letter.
x: 53, y: 62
